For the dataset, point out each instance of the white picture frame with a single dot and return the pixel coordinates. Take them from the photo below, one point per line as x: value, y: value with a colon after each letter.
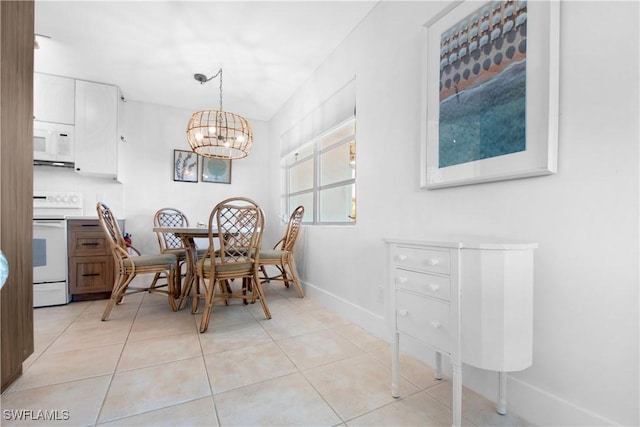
x: 216, y: 170
x: 535, y: 151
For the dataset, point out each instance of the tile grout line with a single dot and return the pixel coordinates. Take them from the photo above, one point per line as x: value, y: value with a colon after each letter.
x: 115, y: 368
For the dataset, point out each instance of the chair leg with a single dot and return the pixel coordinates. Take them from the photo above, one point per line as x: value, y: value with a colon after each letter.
x: 177, y: 281
x: 196, y: 294
x: 291, y: 264
x: 119, y: 289
x: 265, y: 276
x: 154, y: 281
x: 210, y: 293
x: 281, y: 275
x: 257, y: 289
x: 171, y: 289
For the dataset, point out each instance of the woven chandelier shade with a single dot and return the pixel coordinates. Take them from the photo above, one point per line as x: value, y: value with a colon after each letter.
x: 219, y: 134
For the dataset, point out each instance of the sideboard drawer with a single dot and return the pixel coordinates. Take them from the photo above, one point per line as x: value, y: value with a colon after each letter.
x: 423, y: 259
x: 423, y: 283
x: 425, y: 319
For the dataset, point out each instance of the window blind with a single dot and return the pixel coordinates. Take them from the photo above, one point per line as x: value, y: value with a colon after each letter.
x: 335, y: 109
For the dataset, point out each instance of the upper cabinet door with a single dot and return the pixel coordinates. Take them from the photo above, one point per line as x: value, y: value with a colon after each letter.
x: 53, y: 98
x: 96, y: 129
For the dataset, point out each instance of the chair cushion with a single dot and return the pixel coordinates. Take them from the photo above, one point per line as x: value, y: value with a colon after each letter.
x: 149, y: 260
x: 226, y: 267
x: 201, y: 251
x: 181, y: 253
x: 272, y: 254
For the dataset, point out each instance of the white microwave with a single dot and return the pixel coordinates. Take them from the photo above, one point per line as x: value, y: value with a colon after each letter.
x: 53, y: 142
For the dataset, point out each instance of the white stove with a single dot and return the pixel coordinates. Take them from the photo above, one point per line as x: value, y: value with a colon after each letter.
x: 50, y: 245
x: 56, y: 204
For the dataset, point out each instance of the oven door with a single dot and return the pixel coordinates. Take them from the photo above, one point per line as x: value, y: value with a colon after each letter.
x: 49, y: 262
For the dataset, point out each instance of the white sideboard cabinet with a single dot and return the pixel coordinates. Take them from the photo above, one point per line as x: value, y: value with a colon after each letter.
x: 96, y: 131
x: 470, y: 299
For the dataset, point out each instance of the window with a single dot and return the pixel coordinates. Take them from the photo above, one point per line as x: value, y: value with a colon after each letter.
x: 321, y: 176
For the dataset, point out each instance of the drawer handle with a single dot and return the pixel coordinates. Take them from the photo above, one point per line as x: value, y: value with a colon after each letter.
x: 90, y: 225
x: 432, y: 262
x: 401, y: 257
x: 90, y: 244
x: 403, y: 312
x: 434, y: 287
x: 402, y: 279
x: 434, y: 324
x: 90, y: 274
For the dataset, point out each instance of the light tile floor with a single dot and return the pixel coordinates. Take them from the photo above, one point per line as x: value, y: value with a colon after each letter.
x: 149, y: 366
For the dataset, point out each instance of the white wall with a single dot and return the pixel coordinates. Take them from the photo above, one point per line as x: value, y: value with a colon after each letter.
x: 585, y: 218
x: 152, y: 133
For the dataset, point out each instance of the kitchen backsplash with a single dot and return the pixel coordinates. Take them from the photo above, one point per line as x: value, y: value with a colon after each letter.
x: 49, y: 178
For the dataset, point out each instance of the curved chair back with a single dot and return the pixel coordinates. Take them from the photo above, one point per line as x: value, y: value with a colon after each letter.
x: 239, y: 223
x: 169, y: 217
x: 110, y: 225
x: 293, y: 228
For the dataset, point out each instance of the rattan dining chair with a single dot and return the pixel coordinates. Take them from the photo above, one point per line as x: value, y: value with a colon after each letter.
x: 128, y: 266
x: 281, y: 256
x: 235, y: 235
x: 170, y: 243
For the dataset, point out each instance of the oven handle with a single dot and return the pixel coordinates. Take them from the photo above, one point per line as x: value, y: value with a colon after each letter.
x: 58, y: 224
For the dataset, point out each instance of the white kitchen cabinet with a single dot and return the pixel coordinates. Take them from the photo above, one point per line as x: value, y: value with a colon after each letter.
x: 96, y: 136
x: 469, y: 299
x: 53, y: 99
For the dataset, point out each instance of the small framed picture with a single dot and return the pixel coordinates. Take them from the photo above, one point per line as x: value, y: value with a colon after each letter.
x: 185, y: 166
x: 216, y: 170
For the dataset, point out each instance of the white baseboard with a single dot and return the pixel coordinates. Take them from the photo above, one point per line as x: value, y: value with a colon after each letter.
x: 367, y: 320
x: 529, y: 402
x: 546, y: 409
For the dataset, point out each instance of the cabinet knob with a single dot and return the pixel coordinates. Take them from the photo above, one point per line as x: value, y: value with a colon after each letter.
x: 403, y: 312
x: 434, y: 287
x: 434, y: 324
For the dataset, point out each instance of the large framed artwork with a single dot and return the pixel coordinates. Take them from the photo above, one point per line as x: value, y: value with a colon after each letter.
x: 216, y: 170
x: 489, y: 92
x: 185, y: 166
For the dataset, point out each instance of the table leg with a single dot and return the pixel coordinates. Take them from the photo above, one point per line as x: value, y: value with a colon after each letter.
x: 395, y: 364
x: 438, y: 373
x: 502, y: 393
x: 191, y: 260
x: 457, y: 394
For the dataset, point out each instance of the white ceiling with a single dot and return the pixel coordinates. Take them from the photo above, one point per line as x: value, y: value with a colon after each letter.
x: 152, y: 49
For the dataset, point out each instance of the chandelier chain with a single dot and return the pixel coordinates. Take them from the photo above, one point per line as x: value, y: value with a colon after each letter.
x: 220, y: 72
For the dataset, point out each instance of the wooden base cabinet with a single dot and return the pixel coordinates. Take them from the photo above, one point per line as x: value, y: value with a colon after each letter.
x: 471, y: 300
x: 91, y: 268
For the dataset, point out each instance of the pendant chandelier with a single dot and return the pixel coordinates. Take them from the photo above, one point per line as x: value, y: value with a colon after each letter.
x: 217, y: 133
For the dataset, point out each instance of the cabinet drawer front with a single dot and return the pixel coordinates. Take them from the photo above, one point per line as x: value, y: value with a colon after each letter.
x: 422, y: 283
x: 90, y: 274
x: 85, y: 225
x: 88, y: 244
x: 424, y: 259
x: 424, y: 319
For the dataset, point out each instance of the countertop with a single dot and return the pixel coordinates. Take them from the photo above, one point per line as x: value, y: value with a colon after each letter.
x: 86, y: 217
